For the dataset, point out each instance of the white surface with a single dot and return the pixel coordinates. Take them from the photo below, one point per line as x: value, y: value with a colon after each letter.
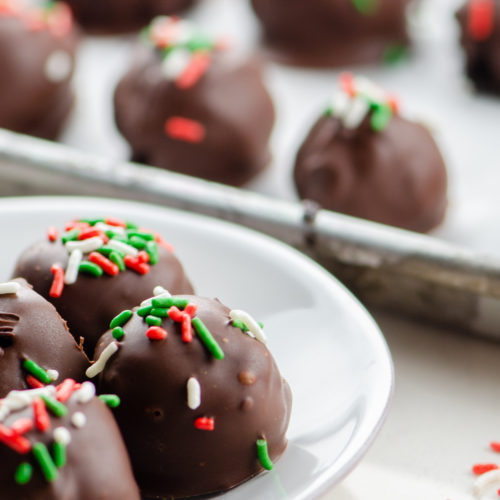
x: 327, y: 346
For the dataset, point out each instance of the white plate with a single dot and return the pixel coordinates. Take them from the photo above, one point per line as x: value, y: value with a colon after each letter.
x: 326, y: 344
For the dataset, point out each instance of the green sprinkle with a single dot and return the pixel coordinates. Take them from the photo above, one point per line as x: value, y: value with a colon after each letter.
x: 208, y: 339
x: 114, y: 235
x: 23, y: 473
x: 131, y: 225
x: 70, y: 235
x: 139, y: 234
x: 37, y: 371
x: 112, y: 400
x: 366, y: 7
x: 395, y: 53
x: 92, y: 222
x: 90, y: 268
x: 153, y: 320
x: 144, y: 311
x: 152, y: 250
x: 116, y: 258
x: 161, y: 312
x: 167, y: 302
x: 237, y: 323
x: 329, y: 111
x: 59, y: 452
x: 263, y: 454
x: 381, y: 117
x: 200, y: 42
x: 107, y: 251
x: 56, y: 407
x: 137, y: 242
x: 118, y: 332
x: 121, y: 319
x: 44, y: 459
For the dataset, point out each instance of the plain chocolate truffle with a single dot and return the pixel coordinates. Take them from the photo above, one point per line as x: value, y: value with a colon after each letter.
x: 362, y: 158
x: 31, y: 331
x: 186, y: 105
x: 88, y: 301
x: 37, y: 49
x: 194, y: 411
x: 333, y: 32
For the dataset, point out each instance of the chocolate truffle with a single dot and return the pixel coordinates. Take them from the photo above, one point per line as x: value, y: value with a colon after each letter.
x: 118, y: 16
x: 187, y: 106
x: 203, y: 405
x: 480, y: 37
x: 333, y: 32
x: 362, y: 158
x: 37, y: 49
x: 89, y: 281
x: 61, y: 444
x: 35, y: 345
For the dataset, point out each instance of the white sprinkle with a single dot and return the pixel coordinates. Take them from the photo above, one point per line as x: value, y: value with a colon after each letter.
x: 123, y: 247
x: 78, y: 419
x: 85, y: 246
x: 368, y: 88
x: 106, y: 227
x: 193, y: 393
x: 17, y: 400
x: 340, y: 104
x: 58, y: 66
x: 356, y: 113
x: 485, y: 480
x: 9, y: 287
x: 53, y: 374
x: 84, y: 394
x: 71, y: 274
x: 251, y: 324
x: 159, y: 290
x: 175, y: 63
x: 99, y: 365
x: 62, y: 435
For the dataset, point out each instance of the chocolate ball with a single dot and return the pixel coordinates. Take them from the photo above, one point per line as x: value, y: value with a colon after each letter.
x: 37, y: 50
x: 77, y: 455
x: 33, y: 335
x: 362, y: 158
x: 196, y: 407
x: 117, y: 16
x: 333, y: 32
x: 480, y: 38
x: 187, y: 106
x: 97, y: 290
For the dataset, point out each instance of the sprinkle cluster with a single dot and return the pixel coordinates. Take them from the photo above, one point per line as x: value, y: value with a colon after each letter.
x: 53, y: 16
x: 103, y: 247
x: 44, y: 402
x: 480, y: 19
x: 357, y: 98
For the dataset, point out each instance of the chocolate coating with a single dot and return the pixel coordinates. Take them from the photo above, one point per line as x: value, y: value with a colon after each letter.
x: 331, y: 32
x: 396, y: 176
x: 115, y: 16
x: 171, y: 457
x: 91, y: 303
x: 481, y: 49
x: 30, y: 328
x: 97, y: 465
x: 36, y: 70
x: 235, y: 147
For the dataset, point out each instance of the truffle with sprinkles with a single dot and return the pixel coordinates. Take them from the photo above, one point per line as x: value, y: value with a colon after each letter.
x: 480, y: 37
x: 36, y: 348
x: 180, y: 106
x: 333, y: 32
x: 37, y: 49
x: 363, y: 158
x: 94, y: 268
x: 62, y: 442
x: 203, y: 405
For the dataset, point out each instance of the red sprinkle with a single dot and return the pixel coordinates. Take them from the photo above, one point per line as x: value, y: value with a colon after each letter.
x: 136, y: 265
x: 76, y: 225
x: 156, y: 333
x: 22, y: 426
x: 163, y: 243
x: 105, y: 264
x: 15, y: 441
x: 191, y: 309
x: 480, y: 19
x: 204, y: 423
x: 479, y: 469
x: 42, y: 419
x: 197, y: 67
x: 184, y: 129
x: 113, y: 221
x: 33, y: 382
x: 60, y: 20
x: 347, y: 83
x: 187, y: 330
x: 52, y: 233
x: 495, y: 446
x: 65, y: 389
x: 143, y: 256
x: 58, y: 282
x: 175, y: 314
x: 89, y: 233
